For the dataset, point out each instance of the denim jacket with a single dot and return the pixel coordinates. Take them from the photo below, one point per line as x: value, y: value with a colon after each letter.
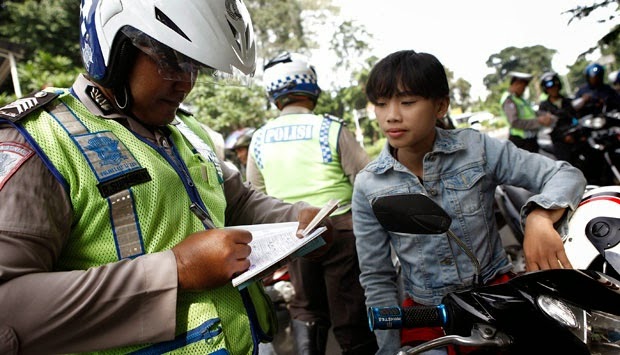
x: 460, y: 174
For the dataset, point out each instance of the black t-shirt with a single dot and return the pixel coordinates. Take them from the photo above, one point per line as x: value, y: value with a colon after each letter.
x: 565, y: 113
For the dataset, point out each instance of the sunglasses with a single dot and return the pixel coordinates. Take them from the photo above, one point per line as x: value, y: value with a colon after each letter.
x: 172, y: 65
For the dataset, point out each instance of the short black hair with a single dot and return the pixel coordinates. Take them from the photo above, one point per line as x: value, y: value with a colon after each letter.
x: 420, y: 74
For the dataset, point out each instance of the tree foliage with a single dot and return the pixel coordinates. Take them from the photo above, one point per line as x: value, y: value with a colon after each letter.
x: 350, y: 44
x: 45, y: 70
x: 278, y: 26
x: 226, y: 108
x: 48, y: 29
x: 534, y: 60
x: 43, y: 25
x: 609, y: 44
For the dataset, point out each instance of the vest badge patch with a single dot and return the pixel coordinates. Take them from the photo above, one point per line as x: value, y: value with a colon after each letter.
x: 12, y: 156
x: 107, y: 155
x: 27, y: 104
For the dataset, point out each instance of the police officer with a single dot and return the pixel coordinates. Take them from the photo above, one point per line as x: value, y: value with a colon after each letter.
x: 595, y: 96
x: 238, y: 145
x: 302, y: 156
x: 564, y: 115
x: 521, y: 116
x: 102, y: 185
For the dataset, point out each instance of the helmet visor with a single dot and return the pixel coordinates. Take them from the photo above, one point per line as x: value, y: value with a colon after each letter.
x: 550, y: 83
x: 174, y: 65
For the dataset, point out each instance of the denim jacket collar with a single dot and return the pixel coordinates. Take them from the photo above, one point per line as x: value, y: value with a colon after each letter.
x: 445, y: 143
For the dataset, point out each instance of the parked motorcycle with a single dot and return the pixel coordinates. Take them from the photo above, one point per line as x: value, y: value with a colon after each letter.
x: 545, y: 312
x: 595, y: 147
x: 593, y: 240
x: 508, y: 201
x: 280, y: 289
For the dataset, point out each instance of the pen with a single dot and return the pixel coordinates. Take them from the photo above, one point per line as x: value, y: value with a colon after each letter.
x: 323, y: 213
x: 202, y: 215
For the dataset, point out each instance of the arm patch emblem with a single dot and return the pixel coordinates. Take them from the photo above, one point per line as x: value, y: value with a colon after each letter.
x: 12, y: 156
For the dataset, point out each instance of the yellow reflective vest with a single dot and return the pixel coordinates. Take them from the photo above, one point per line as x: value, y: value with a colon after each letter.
x: 129, y: 200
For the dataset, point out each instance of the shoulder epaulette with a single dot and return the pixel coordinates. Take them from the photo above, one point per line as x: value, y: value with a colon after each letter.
x: 20, y: 108
x: 334, y: 118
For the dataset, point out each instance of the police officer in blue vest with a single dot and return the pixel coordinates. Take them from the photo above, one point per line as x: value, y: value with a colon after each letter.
x: 303, y: 156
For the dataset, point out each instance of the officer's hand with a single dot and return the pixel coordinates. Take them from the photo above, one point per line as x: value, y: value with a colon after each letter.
x: 546, y: 119
x: 209, y: 259
x: 305, y: 217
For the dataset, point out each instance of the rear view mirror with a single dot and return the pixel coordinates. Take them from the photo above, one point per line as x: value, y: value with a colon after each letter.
x: 411, y: 213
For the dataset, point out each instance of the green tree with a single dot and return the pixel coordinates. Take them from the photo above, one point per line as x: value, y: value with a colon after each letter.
x: 277, y: 26
x: 45, y: 69
x: 226, y: 108
x: 350, y: 43
x: 48, y: 32
x: 534, y: 60
x: 460, y: 91
x: 608, y: 44
x: 43, y: 25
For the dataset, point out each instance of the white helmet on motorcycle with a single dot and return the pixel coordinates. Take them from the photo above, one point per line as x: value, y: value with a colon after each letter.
x: 289, y: 75
x: 180, y: 34
x: 593, y: 240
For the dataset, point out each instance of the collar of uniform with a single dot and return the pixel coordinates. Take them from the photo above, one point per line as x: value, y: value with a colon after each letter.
x: 97, y: 104
x: 294, y: 110
x: 94, y: 99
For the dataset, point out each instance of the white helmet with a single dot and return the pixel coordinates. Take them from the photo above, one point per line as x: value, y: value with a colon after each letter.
x: 214, y: 33
x: 593, y: 240
x: 290, y: 74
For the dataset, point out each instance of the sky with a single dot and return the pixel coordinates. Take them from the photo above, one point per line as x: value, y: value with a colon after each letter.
x: 463, y: 34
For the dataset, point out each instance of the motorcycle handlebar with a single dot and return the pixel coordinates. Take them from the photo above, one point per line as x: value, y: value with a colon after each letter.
x: 395, y: 317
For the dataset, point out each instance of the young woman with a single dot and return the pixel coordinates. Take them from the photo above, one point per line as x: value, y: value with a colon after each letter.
x: 459, y: 169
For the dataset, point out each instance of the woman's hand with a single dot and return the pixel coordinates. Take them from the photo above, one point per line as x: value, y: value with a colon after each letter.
x: 542, y: 244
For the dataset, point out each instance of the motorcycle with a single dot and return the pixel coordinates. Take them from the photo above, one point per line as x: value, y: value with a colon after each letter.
x: 280, y: 289
x: 593, y: 239
x: 579, y: 244
x: 564, y: 311
x: 595, y: 147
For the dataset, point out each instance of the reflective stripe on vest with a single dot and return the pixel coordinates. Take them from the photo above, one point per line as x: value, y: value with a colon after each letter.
x: 95, y: 148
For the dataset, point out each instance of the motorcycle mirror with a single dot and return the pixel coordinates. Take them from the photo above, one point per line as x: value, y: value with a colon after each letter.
x: 411, y: 213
